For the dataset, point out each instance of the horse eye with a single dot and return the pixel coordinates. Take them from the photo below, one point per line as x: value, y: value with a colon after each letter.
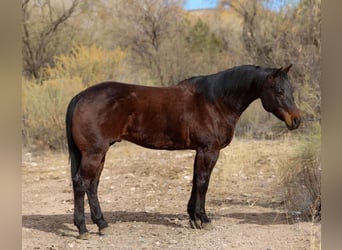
x: 279, y: 91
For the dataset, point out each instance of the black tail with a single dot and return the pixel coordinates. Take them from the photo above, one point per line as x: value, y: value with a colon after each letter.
x: 74, y: 153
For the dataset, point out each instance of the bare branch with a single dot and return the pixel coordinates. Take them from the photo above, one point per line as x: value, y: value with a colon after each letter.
x: 35, y: 46
x: 24, y: 4
x: 54, y: 25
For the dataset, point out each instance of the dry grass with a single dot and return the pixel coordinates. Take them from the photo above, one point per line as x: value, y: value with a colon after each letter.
x: 251, y: 168
x: 43, y: 112
x: 302, y: 176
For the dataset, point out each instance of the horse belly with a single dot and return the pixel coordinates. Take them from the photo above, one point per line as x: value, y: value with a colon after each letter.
x: 156, y: 131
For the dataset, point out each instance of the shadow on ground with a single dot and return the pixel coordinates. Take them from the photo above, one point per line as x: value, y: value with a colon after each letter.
x: 62, y: 224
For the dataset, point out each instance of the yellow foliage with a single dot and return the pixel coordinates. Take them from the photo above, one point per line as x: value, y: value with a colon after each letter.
x: 44, y: 107
x: 90, y: 64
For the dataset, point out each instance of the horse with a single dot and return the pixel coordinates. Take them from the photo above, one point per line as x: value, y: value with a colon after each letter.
x: 199, y: 113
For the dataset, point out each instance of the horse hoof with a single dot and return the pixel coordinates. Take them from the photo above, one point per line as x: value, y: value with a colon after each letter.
x: 207, y: 225
x: 84, y: 236
x: 104, y: 231
x: 194, y: 224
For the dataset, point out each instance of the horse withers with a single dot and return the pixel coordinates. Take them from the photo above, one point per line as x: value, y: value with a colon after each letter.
x: 199, y: 113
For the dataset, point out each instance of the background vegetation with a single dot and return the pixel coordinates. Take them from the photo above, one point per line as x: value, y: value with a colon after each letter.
x: 69, y: 45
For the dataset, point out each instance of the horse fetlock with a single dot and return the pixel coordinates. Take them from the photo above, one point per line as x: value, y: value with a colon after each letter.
x: 102, y: 224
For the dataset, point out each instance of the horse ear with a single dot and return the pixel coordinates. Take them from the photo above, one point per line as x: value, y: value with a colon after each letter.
x: 276, y: 72
x: 286, y: 70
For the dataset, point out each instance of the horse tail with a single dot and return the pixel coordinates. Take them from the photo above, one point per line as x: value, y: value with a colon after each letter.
x: 75, y: 155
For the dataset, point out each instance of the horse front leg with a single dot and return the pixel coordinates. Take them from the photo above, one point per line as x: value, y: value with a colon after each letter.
x: 205, y: 161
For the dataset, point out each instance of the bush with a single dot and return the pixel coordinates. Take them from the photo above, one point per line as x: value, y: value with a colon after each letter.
x: 90, y: 64
x: 302, y: 177
x: 44, y: 108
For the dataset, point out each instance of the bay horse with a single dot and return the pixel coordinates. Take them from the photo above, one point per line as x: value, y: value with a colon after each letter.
x: 199, y: 113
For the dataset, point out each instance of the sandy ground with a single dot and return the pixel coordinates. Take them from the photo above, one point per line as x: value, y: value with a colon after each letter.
x: 144, y: 194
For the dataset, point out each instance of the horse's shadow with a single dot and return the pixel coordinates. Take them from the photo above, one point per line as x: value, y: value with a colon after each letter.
x: 62, y: 224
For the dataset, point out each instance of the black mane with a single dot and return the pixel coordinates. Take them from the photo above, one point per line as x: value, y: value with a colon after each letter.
x: 240, y: 78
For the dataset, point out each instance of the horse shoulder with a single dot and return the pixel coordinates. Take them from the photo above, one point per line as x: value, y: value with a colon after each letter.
x: 210, y: 124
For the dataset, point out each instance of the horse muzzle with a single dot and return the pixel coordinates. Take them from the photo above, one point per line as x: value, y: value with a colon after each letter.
x: 292, y: 119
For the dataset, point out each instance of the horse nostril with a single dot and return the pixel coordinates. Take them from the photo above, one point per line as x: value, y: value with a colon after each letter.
x: 295, y: 122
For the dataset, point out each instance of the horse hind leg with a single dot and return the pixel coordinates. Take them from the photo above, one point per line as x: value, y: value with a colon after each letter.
x: 79, y: 188
x: 94, y: 204
x: 86, y: 181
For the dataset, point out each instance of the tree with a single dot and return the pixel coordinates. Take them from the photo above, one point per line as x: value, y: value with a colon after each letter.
x: 42, y: 23
x: 200, y: 39
x: 255, y: 21
x: 150, y: 29
x: 306, y: 50
x: 277, y: 38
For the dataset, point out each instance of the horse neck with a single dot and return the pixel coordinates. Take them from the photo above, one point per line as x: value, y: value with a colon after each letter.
x: 246, y: 87
x: 238, y: 101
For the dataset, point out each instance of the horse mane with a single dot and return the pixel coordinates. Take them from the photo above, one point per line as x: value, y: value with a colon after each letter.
x: 239, y: 78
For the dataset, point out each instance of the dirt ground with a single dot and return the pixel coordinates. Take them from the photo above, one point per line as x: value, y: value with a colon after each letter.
x: 144, y: 194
